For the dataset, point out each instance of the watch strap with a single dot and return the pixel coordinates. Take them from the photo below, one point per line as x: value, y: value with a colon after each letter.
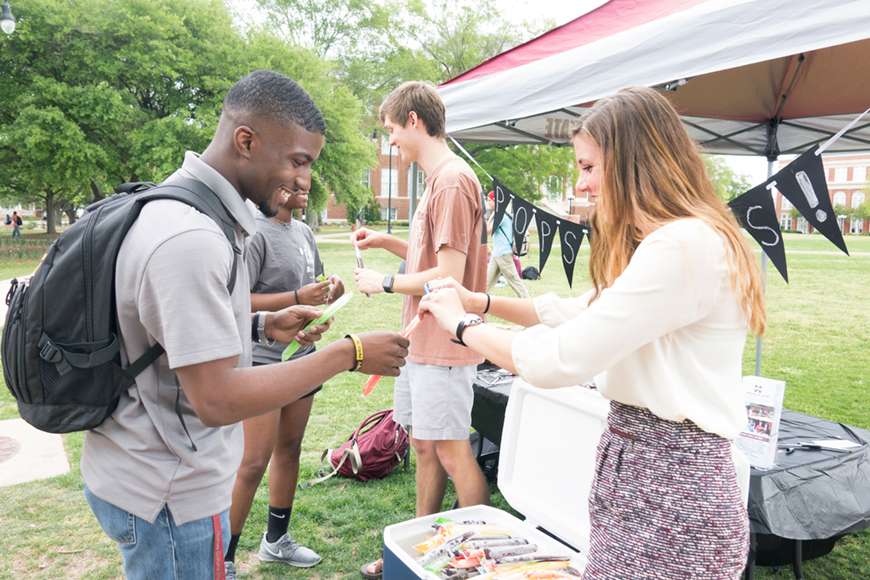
x: 388, y: 283
x: 460, y: 329
x: 260, y: 319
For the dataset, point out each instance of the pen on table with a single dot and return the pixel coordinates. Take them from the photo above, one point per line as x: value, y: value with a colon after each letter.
x: 789, y: 449
x: 359, y: 264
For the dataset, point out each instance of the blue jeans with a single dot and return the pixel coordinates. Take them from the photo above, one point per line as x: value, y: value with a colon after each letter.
x: 16, y: 233
x: 162, y: 550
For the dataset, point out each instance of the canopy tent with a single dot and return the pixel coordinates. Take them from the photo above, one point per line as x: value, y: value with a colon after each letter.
x: 751, y: 77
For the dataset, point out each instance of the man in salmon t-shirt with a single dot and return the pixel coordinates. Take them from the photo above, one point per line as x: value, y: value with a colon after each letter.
x: 434, y: 392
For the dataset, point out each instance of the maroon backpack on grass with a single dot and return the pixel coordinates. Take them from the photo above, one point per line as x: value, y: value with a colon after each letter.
x: 371, y: 452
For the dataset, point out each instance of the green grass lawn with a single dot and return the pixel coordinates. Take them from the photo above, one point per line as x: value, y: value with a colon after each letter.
x: 818, y: 342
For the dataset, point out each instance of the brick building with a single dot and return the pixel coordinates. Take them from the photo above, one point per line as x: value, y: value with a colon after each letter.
x: 847, y: 178
x: 391, y: 184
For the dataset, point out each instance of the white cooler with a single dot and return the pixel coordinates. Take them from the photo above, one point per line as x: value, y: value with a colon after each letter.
x: 546, y: 464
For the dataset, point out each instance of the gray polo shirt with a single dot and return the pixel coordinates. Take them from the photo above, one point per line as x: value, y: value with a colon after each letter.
x: 281, y: 258
x: 171, y: 286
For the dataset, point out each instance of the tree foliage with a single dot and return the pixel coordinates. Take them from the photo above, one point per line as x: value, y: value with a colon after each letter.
x: 726, y: 182
x: 98, y: 92
x: 457, y: 35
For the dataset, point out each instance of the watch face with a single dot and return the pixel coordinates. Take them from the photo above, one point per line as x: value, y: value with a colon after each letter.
x: 472, y: 319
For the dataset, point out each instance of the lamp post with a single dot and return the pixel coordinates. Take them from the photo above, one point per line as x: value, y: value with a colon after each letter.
x: 7, y: 21
x: 570, y: 205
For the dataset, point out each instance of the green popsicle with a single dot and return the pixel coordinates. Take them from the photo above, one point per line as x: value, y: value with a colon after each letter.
x: 327, y: 314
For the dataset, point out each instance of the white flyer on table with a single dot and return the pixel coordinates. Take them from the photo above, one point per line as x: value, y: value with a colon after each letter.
x: 758, y: 439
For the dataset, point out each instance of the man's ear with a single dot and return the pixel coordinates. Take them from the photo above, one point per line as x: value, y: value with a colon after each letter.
x: 412, y: 119
x: 243, y: 141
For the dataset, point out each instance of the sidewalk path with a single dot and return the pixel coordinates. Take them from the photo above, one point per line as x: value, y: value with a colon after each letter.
x: 27, y: 454
x: 342, y: 237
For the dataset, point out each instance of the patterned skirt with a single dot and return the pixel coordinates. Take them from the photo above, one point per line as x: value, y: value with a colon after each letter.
x: 664, y: 502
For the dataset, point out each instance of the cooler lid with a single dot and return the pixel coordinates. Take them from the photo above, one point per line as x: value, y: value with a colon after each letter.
x: 547, y: 457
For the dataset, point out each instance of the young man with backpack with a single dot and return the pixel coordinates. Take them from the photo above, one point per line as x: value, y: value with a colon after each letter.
x: 434, y: 391
x: 16, y: 223
x: 159, y: 471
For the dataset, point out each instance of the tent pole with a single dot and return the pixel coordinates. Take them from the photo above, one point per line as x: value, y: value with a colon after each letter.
x: 771, y: 169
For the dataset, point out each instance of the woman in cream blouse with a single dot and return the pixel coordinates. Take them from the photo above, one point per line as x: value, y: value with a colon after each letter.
x: 675, y: 290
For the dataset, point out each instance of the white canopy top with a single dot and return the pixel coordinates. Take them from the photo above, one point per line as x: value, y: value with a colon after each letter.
x: 731, y: 62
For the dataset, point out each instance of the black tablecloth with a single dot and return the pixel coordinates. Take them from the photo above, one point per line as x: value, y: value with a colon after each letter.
x: 811, y: 495
x: 807, y: 495
x: 491, y: 392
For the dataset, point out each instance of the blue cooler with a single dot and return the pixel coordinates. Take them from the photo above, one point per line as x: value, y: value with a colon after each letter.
x: 546, y: 464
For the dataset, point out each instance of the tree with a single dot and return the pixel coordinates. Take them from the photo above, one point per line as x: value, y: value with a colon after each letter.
x: 527, y: 170
x: 102, y: 92
x: 726, y: 183
x: 458, y: 35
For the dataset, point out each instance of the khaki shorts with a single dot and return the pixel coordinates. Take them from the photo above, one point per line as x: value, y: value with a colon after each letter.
x: 436, y: 401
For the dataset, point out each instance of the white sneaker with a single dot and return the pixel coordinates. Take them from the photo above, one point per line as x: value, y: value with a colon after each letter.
x: 230, y: 570
x: 287, y: 551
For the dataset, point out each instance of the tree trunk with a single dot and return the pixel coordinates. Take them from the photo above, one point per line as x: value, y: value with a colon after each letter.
x: 50, y: 210
x: 312, y: 218
x: 98, y: 195
x: 70, y: 211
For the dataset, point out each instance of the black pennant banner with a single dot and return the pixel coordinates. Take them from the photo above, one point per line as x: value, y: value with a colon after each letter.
x: 756, y: 213
x: 502, y: 198
x: 571, y: 236
x: 802, y: 182
x: 547, y: 226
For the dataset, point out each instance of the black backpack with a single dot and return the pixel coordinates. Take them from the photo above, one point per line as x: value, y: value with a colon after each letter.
x: 60, y: 349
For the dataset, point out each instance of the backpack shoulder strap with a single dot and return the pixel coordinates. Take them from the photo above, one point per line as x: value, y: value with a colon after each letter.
x: 198, y: 195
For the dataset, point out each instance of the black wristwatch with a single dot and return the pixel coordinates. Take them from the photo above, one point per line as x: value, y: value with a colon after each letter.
x: 388, y: 283
x: 467, y: 320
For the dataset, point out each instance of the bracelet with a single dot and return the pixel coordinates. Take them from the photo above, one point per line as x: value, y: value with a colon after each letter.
x: 485, y: 310
x: 357, y: 345
x: 296, y: 294
x: 254, y: 322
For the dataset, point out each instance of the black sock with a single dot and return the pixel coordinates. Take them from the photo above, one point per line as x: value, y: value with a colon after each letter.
x: 279, y: 520
x: 231, y: 551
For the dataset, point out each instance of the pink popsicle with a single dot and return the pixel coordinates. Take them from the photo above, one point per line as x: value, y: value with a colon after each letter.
x: 373, y: 379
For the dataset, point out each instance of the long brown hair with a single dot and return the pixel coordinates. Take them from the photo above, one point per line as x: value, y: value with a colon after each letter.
x: 651, y: 175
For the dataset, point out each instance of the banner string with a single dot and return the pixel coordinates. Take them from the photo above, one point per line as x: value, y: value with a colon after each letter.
x: 467, y: 154
x: 840, y: 133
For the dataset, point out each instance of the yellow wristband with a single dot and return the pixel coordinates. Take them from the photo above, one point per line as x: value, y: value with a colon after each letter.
x: 357, y: 345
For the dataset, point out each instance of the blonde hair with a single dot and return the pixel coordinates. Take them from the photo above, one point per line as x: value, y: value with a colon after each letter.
x: 652, y: 175
x: 420, y: 97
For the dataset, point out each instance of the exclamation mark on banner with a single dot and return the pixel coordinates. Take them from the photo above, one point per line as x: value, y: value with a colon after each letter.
x: 809, y: 193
